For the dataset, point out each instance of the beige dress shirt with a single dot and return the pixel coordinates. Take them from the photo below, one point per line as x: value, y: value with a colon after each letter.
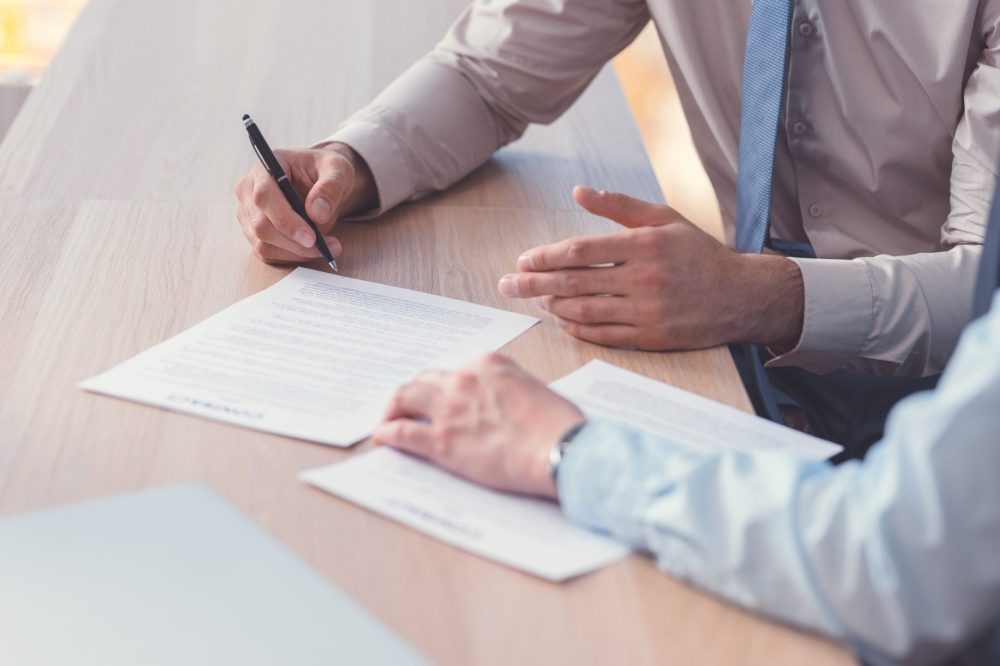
x: 886, y: 162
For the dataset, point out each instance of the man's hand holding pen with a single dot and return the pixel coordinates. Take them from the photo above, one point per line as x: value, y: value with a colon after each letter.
x: 333, y: 180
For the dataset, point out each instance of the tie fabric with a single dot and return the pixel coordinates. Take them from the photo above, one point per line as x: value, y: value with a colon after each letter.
x: 989, y: 265
x: 764, y: 70
x: 764, y: 66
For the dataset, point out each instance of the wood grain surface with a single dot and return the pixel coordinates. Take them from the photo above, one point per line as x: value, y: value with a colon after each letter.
x: 118, y: 224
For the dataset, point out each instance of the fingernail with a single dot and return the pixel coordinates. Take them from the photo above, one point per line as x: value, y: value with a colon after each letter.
x: 508, y: 286
x: 543, y: 302
x: 321, y: 210
x: 525, y: 262
x: 304, y: 238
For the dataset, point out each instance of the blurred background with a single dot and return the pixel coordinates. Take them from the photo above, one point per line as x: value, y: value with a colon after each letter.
x: 31, y: 32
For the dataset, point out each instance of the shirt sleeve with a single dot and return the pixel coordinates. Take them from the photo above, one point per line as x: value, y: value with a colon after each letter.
x: 904, y: 315
x: 503, y: 65
x: 895, y: 555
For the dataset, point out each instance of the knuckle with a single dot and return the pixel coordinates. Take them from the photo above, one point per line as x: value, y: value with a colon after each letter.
x: 405, y: 430
x: 453, y: 406
x: 394, y: 401
x: 464, y: 381
x: 441, y: 430
x: 259, y: 226
x: 266, y: 252
x: 571, y: 327
x: 333, y: 189
x: 617, y: 198
x: 444, y: 435
x: 528, y: 285
x: 576, y: 251
x: 333, y: 181
x: 650, y: 239
x: 571, y: 282
x: 584, y: 310
x: 498, y: 359
x: 259, y: 196
x: 286, y: 224
x: 333, y: 163
x: 494, y: 361
x: 400, y: 396
x: 398, y: 431
x: 648, y: 275
x: 443, y: 441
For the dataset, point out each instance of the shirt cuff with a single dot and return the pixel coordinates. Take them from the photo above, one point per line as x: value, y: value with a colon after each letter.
x: 382, y: 152
x: 601, y: 480
x: 837, y: 317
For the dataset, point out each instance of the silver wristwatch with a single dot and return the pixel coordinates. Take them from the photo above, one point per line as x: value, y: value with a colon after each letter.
x: 558, y: 449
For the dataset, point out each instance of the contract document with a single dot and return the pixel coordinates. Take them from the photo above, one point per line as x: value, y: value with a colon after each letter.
x: 533, y: 535
x: 602, y: 390
x: 315, y: 356
x: 524, y: 533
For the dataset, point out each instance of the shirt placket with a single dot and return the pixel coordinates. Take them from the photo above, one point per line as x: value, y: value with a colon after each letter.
x: 805, y: 58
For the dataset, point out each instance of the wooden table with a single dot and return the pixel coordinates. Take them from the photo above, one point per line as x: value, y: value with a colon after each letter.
x: 12, y: 96
x: 118, y: 231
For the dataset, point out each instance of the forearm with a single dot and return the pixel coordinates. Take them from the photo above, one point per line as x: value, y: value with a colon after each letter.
x: 721, y: 522
x: 894, y: 555
x: 770, y: 300
x: 427, y: 130
x: 771, y: 534
x: 502, y: 65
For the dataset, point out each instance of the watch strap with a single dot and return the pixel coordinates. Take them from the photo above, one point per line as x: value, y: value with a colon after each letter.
x: 558, y: 450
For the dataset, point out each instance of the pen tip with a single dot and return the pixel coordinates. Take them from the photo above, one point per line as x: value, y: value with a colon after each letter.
x: 246, y: 116
x: 333, y: 265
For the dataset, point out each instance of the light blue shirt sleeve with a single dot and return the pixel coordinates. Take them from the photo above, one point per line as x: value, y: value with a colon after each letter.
x: 898, y: 555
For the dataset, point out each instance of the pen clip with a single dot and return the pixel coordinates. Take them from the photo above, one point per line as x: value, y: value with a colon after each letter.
x: 260, y: 157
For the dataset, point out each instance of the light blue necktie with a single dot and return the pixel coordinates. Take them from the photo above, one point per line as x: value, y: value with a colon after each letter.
x: 764, y: 67
x: 764, y: 70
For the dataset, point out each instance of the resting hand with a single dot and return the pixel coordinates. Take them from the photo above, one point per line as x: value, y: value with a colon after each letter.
x: 492, y: 423
x: 333, y: 181
x: 661, y: 284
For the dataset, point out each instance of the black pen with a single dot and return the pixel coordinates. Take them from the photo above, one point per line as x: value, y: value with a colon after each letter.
x: 273, y: 167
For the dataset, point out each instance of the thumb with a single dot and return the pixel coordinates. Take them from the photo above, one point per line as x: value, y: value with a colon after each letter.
x: 623, y: 209
x: 333, y: 183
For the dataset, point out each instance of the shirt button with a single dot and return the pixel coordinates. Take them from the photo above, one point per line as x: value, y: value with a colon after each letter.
x: 799, y: 128
x: 815, y: 210
x: 806, y: 29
